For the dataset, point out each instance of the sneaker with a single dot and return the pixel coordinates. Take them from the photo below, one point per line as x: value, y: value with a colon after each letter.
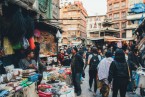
x: 90, y: 90
x: 79, y: 93
x: 94, y: 94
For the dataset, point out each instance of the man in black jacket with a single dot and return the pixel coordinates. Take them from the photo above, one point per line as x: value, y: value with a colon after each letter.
x: 77, y: 65
x: 133, y: 64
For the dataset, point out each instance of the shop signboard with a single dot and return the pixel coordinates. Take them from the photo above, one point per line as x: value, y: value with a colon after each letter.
x: 45, y: 8
x: 55, y: 9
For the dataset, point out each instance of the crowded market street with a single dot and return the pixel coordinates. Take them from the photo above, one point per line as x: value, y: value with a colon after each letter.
x: 86, y: 93
x: 72, y: 48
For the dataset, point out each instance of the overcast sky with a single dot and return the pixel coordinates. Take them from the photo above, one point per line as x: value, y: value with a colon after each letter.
x: 94, y: 7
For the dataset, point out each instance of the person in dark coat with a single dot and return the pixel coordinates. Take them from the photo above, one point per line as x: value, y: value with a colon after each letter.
x: 133, y: 62
x: 77, y: 65
x: 119, y: 73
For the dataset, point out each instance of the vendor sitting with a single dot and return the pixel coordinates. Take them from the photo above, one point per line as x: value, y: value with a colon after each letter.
x: 28, y: 62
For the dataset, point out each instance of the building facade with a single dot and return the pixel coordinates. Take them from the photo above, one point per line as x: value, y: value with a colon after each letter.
x: 117, y: 12
x: 134, y: 18
x: 94, y: 23
x: 74, y: 30
x: 67, y: 2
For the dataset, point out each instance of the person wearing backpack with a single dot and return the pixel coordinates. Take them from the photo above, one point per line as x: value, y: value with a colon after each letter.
x: 93, y: 62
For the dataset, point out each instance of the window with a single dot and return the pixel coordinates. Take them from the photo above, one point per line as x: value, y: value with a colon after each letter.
x: 116, y: 26
x: 110, y: 16
x: 136, y: 22
x: 110, y: 7
x: 90, y: 19
x: 116, y: 16
x: 123, y: 4
x: 116, y: 5
x: 123, y: 25
x: 97, y: 19
x: 95, y: 25
x: 90, y: 25
x: 123, y: 15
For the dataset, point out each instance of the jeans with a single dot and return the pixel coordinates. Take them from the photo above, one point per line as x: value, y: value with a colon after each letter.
x: 77, y: 82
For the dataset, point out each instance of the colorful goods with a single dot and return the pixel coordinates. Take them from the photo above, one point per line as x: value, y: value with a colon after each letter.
x: 31, y: 43
x: 33, y: 78
x: 8, y: 47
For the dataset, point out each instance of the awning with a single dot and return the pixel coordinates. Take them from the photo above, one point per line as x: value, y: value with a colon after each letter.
x: 127, y: 39
x: 109, y: 30
x: 141, y: 43
x: 112, y: 39
x: 93, y: 39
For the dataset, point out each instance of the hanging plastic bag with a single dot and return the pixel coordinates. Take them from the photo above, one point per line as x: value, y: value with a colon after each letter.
x: 31, y: 43
x: 25, y: 43
x: 17, y: 46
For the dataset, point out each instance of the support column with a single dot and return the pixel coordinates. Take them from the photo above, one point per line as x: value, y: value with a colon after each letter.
x: 0, y: 9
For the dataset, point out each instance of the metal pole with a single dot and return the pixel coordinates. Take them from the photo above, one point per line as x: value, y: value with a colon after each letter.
x: 57, y: 52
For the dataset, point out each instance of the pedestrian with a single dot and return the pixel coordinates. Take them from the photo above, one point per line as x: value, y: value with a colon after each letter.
x: 89, y: 52
x: 61, y: 56
x: 93, y: 62
x: 103, y: 73
x: 77, y: 65
x: 119, y: 73
x: 133, y: 64
x: 126, y: 51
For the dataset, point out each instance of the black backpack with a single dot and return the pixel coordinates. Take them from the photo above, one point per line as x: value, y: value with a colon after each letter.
x: 94, y: 62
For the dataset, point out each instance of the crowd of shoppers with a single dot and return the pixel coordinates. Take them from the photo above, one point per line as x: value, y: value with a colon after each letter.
x: 110, y: 67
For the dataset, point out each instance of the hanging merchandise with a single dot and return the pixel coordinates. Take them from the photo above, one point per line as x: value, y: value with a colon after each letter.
x: 8, y: 47
x: 17, y: 28
x: 36, y: 33
x: 25, y: 43
x: 29, y: 27
x: 35, y: 5
x: 32, y: 44
x: 17, y: 46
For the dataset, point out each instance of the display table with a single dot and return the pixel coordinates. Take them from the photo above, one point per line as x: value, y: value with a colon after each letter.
x: 29, y: 91
x: 56, y: 82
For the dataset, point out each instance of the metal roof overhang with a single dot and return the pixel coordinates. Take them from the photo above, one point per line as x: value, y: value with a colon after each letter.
x: 100, y: 38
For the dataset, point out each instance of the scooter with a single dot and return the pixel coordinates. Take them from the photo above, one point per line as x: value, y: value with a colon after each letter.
x: 141, y: 82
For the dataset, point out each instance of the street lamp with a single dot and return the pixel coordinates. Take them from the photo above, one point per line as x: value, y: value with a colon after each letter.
x: 58, y: 36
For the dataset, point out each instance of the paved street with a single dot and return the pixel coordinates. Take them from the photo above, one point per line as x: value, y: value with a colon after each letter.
x: 86, y: 93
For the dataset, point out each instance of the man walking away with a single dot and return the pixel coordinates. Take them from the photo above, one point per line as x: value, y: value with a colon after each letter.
x: 77, y: 65
x: 93, y: 62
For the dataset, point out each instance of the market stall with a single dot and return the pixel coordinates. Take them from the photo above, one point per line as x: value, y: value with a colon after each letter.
x: 23, y: 83
x: 56, y: 81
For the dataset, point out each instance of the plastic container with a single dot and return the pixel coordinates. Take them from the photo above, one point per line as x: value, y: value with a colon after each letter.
x: 43, y: 94
x: 33, y: 78
x: 141, y: 81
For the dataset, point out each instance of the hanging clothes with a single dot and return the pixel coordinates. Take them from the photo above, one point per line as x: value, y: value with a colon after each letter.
x: 8, y: 47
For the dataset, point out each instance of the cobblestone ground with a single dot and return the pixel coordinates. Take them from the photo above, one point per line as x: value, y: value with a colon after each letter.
x: 86, y: 93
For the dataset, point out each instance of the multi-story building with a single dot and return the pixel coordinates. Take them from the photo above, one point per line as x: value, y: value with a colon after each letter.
x: 104, y: 33
x: 74, y: 30
x: 117, y: 11
x: 94, y: 23
x: 67, y: 2
x: 134, y: 18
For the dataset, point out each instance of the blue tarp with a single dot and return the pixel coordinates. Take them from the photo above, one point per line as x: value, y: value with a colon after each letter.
x: 138, y: 8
